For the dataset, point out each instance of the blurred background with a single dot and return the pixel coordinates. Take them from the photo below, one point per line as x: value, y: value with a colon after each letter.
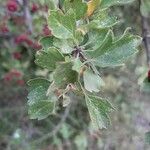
x: 22, y: 23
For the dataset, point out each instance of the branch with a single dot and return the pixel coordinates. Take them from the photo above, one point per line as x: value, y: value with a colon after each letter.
x: 146, y: 36
x: 27, y: 15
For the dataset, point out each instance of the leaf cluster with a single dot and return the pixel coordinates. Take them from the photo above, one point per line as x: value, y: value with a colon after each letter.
x: 82, y: 43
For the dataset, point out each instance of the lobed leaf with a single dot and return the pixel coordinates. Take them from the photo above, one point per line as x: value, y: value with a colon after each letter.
x: 102, y: 20
x: 38, y: 90
x: 40, y: 104
x: 41, y: 110
x: 78, y: 6
x: 114, y: 52
x: 92, y: 81
x: 62, y: 25
x: 64, y: 75
x: 77, y: 64
x: 65, y: 46
x: 48, y: 59
x: 99, y: 109
x: 95, y: 39
x: 47, y: 42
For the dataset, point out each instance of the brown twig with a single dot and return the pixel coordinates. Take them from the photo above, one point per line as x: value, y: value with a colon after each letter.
x: 146, y: 35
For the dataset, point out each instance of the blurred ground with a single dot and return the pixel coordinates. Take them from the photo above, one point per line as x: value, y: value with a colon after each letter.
x: 130, y: 121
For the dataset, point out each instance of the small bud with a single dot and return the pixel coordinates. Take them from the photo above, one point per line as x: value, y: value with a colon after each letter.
x: 4, y: 29
x: 34, y: 8
x: 46, y: 31
x: 21, y: 38
x: 12, y: 5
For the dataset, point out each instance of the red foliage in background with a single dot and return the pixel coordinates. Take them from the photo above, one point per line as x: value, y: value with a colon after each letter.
x: 12, y: 5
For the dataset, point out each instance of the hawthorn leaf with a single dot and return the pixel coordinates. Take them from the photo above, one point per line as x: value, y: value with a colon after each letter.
x: 99, y: 110
x: 96, y: 38
x: 62, y: 25
x: 40, y: 105
x: 78, y: 6
x: 102, y: 20
x: 65, y: 46
x: 64, y: 75
x: 92, y: 81
x: 33, y: 83
x: 47, y: 59
x: 77, y: 64
x: 114, y: 52
x: 38, y: 90
x: 47, y: 42
x: 41, y: 109
x: 108, y: 3
x: 79, y: 36
x: 52, y: 4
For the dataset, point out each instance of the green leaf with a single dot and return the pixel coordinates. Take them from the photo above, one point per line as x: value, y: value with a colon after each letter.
x: 46, y: 42
x: 61, y: 3
x: 108, y: 3
x: 114, y: 52
x: 48, y: 59
x: 147, y: 137
x: 79, y: 36
x: 38, y: 90
x: 77, y: 64
x: 40, y: 105
x: 64, y: 75
x: 95, y: 39
x: 33, y: 83
x: 78, y: 6
x: 62, y: 25
x: 41, y: 109
x: 65, y: 46
x: 92, y: 81
x: 102, y: 20
x: 99, y: 109
x: 51, y: 3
